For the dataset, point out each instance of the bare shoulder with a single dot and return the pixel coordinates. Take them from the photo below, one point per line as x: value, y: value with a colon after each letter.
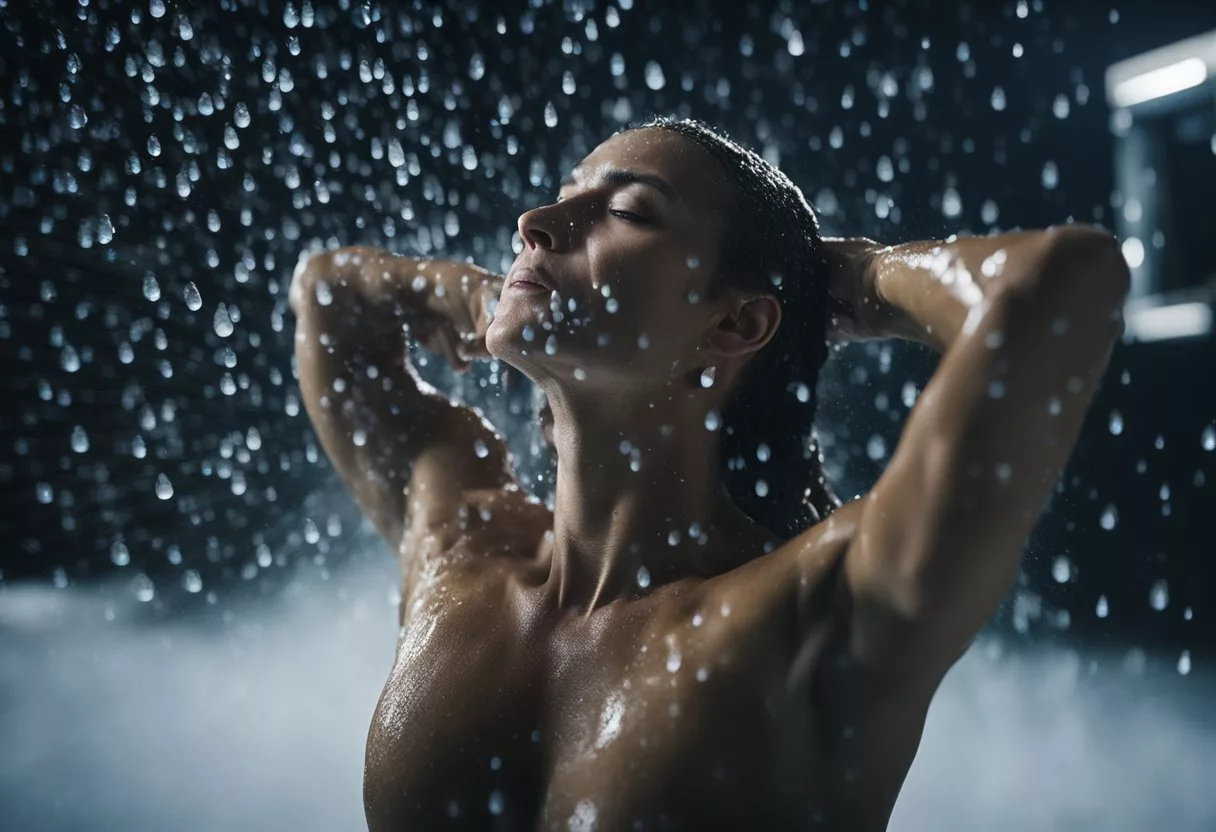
x: 796, y: 575
x: 486, y: 533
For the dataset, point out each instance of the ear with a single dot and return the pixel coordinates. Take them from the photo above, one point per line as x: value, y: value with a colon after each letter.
x: 745, y: 327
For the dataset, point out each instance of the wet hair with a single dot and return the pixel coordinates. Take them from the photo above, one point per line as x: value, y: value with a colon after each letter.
x: 771, y: 464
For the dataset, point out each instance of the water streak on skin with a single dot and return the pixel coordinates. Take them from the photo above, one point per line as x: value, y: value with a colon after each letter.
x: 610, y: 720
x: 583, y: 819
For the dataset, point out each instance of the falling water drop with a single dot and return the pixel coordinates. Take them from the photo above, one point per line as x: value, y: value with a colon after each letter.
x: 1159, y: 595
x: 80, y: 440
x: 194, y: 301
x: 164, y: 488
x: 1110, y: 518
x: 222, y: 322
x: 151, y: 287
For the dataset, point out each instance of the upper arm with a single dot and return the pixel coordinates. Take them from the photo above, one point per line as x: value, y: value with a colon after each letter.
x: 384, y: 429
x: 939, y: 538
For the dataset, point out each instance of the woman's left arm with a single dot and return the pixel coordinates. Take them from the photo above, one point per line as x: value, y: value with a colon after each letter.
x: 920, y: 291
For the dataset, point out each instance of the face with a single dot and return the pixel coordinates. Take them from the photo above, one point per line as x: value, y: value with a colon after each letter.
x: 610, y: 288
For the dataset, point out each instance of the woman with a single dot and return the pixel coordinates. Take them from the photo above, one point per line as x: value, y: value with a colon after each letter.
x: 678, y: 644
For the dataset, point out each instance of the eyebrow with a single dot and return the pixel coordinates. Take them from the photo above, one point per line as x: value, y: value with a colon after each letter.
x: 617, y: 176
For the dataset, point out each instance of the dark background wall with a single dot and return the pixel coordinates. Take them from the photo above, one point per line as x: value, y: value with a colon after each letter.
x: 152, y: 153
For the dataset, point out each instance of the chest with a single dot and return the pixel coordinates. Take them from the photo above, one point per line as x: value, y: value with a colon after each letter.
x: 495, y: 721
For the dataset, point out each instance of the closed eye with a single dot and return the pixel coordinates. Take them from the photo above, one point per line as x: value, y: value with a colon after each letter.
x: 629, y: 217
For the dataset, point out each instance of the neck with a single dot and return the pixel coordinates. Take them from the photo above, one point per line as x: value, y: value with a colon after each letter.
x: 638, y: 502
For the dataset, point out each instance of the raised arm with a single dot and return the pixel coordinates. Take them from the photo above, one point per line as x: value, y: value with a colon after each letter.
x: 384, y: 429
x: 1027, y: 322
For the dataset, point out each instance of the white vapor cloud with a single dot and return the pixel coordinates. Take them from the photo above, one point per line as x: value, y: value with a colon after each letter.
x: 259, y: 723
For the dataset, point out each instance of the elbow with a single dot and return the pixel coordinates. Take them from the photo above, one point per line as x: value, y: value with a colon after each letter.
x: 1091, y: 258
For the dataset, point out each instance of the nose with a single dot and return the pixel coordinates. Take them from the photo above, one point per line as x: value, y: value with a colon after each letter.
x: 549, y: 227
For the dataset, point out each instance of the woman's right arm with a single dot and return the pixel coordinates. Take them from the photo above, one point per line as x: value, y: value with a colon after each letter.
x: 386, y: 431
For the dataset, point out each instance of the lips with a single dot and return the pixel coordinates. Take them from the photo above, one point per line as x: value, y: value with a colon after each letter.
x: 534, y: 278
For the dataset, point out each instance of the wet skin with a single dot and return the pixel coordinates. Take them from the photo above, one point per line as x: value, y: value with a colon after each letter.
x: 582, y: 668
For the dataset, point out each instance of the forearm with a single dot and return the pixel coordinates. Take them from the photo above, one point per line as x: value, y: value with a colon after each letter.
x: 379, y: 287
x: 933, y: 286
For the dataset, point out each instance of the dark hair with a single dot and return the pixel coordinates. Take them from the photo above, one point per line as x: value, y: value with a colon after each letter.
x: 772, y: 246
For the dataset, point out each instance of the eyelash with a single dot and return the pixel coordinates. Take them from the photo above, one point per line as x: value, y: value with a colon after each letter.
x: 627, y: 216
x: 630, y: 217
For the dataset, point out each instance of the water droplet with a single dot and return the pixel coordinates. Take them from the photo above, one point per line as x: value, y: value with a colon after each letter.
x: 654, y: 76
x: 551, y: 345
x: 194, y: 301
x: 1159, y: 595
x: 1103, y: 608
x: 77, y: 117
x: 69, y: 360
x: 712, y: 420
x: 1184, y: 663
x: 1208, y: 440
x: 763, y: 452
x: 44, y: 492
x: 1051, y: 176
x: 80, y: 440
x: 708, y: 375
x: 761, y: 488
x: 311, y: 533
x: 1116, y: 423
x: 143, y: 588
x: 105, y: 230
x: 1110, y: 518
x: 480, y: 449
x: 222, y: 322
x: 673, y: 661
x: 643, y: 577
x: 876, y: 448
x: 164, y: 488
x: 192, y: 582
x: 151, y: 288
x: 119, y: 554
x: 1061, y: 570
x: 496, y: 802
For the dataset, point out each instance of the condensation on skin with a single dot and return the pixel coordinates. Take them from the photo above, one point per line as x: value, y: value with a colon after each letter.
x: 584, y: 817
x: 950, y: 272
x: 611, y: 718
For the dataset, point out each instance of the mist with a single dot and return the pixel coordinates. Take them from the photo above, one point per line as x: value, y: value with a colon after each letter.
x: 256, y: 718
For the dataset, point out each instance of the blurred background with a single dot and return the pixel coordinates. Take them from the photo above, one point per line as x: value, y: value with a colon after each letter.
x: 195, y: 623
